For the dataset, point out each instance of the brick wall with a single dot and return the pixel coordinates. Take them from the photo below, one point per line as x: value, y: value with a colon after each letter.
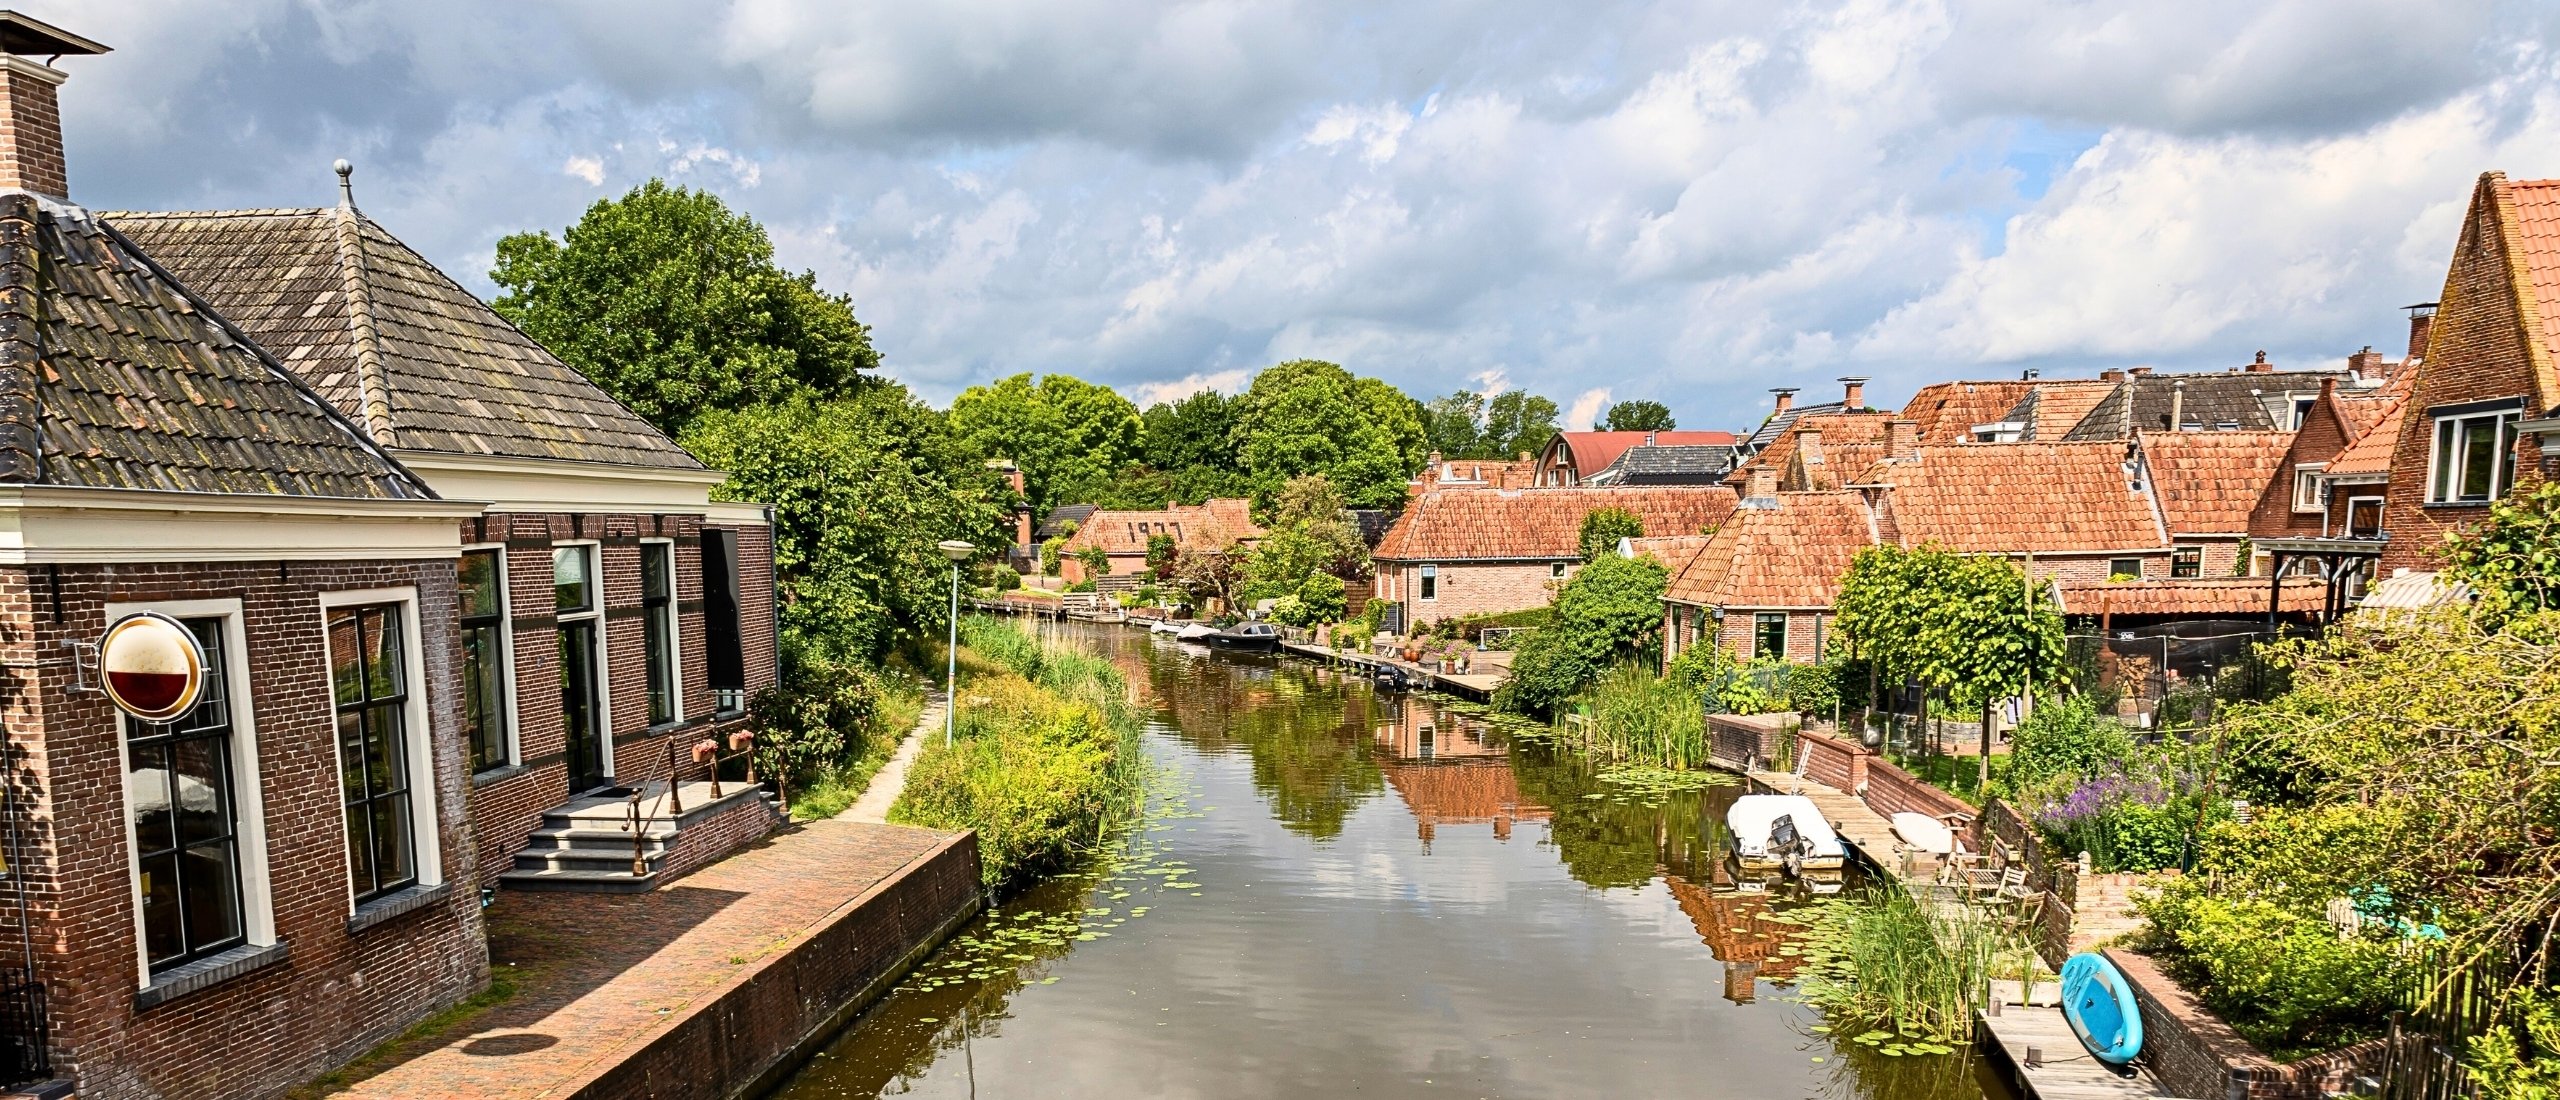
x: 507, y: 804
x: 708, y: 837
x: 2319, y: 439
x: 2196, y: 1054
x: 2478, y: 348
x: 1740, y: 741
x: 1471, y: 588
x: 337, y: 992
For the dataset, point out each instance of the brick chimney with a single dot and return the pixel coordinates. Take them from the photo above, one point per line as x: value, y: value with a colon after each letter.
x: 1809, y: 445
x: 1786, y: 398
x: 2422, y: 322
x: 1901, y: 438
x: 30, y: 117
x: 2260, y: 365
x: 2111, y: 376
x: 1853, y: 393
x: 1762, y: 484
x: 2139, y: 372
x: 2367, y: 363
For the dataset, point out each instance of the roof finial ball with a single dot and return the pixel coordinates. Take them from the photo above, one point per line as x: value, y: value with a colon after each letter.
x: 346, y: 186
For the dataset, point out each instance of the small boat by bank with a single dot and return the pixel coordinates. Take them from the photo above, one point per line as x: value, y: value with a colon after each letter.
x: 1782, y: 836
x: 1246, y: 637
x: 1164, y: 626
x: 1194, y: 632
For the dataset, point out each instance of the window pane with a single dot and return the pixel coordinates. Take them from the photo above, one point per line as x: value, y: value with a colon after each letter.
x: 391, y: 843
x: 360, y: 848
x: 2479, y: 457
x: 653, y: 571
x: 351, y: 755
x: 383, y: 763
x: 2506, y: 445
x: 146, y: 792
x: 205, y: 883
x: 384, y: 661
x: 346, y: 659
x: 661, y: 655
x: 164, y: 933
x: 569, y: 580
x: 199, y: 786
x: 2446, y: 432
x: 479, y: 582
x: 483, y: 698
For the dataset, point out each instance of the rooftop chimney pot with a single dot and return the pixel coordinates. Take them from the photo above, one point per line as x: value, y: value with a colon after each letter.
x: 2178, y: 405
x: 2260, y: 365
x: 1786, y: 397
x: 2111, y: 376
x: 1901, y: 438
x: 2422, y: 324
x: 1853, y: 392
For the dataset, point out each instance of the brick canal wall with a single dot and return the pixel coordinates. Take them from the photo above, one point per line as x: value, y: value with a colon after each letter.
x: 743, y: 1039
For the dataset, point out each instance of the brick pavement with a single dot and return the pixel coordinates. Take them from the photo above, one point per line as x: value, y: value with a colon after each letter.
x: 602, y: 980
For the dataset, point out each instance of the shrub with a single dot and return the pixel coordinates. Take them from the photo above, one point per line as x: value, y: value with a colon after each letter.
x: 1609, y: 611
x: 1639, y: 717
x: 1603, y: 527
x: 1319, y: 599
x: 811, y: 718
x: 1096, y: 560
x: 2284, y: 979
x: 2065, y: 737
x: 1049, y: 554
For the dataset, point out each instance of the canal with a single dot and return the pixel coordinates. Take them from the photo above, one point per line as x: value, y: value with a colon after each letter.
x: 1343, y: 892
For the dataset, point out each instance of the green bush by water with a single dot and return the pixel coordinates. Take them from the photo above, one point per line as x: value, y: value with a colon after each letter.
x: 1896, y: 975
x: 1640, y: 718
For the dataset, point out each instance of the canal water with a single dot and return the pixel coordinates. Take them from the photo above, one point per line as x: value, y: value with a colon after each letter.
x: 1341, y: 892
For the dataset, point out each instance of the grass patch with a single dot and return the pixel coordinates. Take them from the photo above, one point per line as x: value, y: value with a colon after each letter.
x: 1901, y: 976
x: 833, y: 790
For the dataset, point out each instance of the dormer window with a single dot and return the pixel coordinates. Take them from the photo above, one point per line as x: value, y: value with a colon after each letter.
x: 2474, y: 457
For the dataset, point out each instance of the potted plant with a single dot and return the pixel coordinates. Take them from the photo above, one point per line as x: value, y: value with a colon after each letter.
x: 1412, y: 651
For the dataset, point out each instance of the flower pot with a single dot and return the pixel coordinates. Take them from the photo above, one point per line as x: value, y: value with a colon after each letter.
x: 1411, y: 654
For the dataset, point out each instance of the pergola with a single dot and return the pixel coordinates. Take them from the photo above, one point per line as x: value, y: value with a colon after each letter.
x: 2334, y: 556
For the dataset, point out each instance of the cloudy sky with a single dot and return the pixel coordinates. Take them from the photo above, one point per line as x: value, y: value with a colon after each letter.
x: 1593, y: 200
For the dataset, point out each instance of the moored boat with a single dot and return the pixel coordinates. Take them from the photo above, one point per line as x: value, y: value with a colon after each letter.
x: 1251, y: 637
x: 1194, y: 632
x: 1779, y: 836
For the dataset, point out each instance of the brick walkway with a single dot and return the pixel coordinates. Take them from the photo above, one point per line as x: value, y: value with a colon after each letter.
x: 599, y: 975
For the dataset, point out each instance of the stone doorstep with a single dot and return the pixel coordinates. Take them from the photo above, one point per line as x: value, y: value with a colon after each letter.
x: 586, y: 845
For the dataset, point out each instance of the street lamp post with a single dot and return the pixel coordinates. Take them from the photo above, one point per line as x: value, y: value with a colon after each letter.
x: 958, y: 552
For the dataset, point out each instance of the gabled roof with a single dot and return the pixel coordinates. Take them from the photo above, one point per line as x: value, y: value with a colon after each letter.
x: 1061, y: 517
x: 1214, y: 525
x: 1947, y: 412
x: 1495, y: 473
x: 114, y: 375
x: 2233, y: 400
x: 2208, y: 482
x: 1595, y: 451
x: 1843, y: 433
x: 393, y: 342
x: 1791, y: 553
x: 1675, y: 552
x: 1685, y: 464
x: 2013, y: 498
x: 2370, y: 454
x: 2234, y: 596
x: 2535, y: 234
x: 1449, y: 525
x: 2052, y: 409
x: 1778, y: 422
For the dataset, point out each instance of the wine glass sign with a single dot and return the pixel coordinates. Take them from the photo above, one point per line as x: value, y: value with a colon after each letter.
x: 152, y: 666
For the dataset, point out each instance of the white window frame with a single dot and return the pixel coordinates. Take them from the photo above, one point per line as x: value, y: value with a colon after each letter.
x: 2306, y: 476
x: 675, y: 626
x: 2505, y: 441
x: 2302, y: 407
x: 1556, y: 572
x: 257, y: 886
x: 506, y: 657
x: 1427, y: 584
x: 2347, y: 521
x: 425, y: 829
x: 604, y: 643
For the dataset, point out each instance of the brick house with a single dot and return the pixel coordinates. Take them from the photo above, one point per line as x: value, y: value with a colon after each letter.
x: 1472, y: 473
x: 1572, y: 458
x: 1765, y: 583
x: 2083, y: 510
x: 233, y: 900
x: 1122, y: 535
x: 2479, y: 420
x: 1457, y: 552
x: 2208, y: 486
x: 612, y: 613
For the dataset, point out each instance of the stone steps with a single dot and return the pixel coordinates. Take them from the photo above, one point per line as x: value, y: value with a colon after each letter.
x: 588, y: 843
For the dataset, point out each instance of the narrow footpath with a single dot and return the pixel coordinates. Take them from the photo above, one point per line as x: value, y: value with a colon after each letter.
x: 873, y: 806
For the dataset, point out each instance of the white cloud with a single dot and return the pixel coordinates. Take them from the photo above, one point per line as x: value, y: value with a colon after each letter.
x: 1225, y: 381
x: 590, y: 169
x: 1585, y: 410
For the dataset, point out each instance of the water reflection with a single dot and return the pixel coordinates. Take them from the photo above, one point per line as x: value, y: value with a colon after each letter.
x: 1398, y: 896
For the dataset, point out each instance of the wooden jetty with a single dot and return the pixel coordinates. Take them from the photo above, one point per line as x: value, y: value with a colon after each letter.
x: 2064, y: 1069
x: 1477, y: 687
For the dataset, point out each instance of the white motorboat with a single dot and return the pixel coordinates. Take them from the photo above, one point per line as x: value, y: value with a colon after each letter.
x: 1194, y: 632
x: 1164, y: 626
x: 1783, y: 835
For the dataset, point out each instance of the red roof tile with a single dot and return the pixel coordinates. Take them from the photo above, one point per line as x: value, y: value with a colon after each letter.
x: 1790, y: 555
x: 1539, y: 524
x: 2240, y: 596
x: 2371, y: 452
x: 1675, y: 552
x: 1948, y: 411
x: 2537, y: 233
x: 1838, y: 431
x: 2054, y: 408
x: 1211, y: 526
x: 2209, y: 482
x: 2012, y: 498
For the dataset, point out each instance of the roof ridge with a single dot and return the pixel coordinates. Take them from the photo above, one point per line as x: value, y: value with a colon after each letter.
x: 246, y: 212
x: 372, y: 384
x: 21, y: 342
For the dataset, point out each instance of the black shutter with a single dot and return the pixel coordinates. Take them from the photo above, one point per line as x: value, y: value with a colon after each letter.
x: 722, y: 656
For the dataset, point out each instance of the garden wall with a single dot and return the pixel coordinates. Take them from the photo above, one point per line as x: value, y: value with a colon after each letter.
x: 1745, y: 741
x: 2195, y: 1054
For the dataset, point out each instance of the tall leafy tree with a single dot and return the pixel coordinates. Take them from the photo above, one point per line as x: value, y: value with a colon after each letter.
x: 1455, y: 425
x: 1198, y: 430
x: 1603, y: 527
x: 1311, y: 534
x: 1518, y: 422
x: 1307, y: 416
x: 1610, y: 611
x: 1070, y: 436
x: 672, y: 302
x: 1639, y: 416
x: 1966, y: 627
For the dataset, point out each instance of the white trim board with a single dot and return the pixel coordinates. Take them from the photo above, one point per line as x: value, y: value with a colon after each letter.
x: 555, y: 485
x: 42, y: 525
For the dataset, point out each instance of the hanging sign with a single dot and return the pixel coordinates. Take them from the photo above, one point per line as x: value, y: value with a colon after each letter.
x: 152, y: 666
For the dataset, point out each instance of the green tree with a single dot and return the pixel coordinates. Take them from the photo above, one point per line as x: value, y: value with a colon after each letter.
x: 1517, y: 422
x: 1455, y: 425
x: 1311, y: 534
x: 1198, y: 430
x: 1067, y: 434
x: 862, y: 487
x: 1608, y: 612
x: 2513, y: 559
x: 1639, y: 416
x: 1964, y: 627
x: 1307, y: 416
x: 1160, y: 551
x: 672, y: 302
x: 1603, y: 527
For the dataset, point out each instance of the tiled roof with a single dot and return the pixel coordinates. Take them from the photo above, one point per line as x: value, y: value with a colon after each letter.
x: 2238, y: 399
x: 1214, y: 525
x: 2011, y: 498
x: 1790, y: 555
x: 2209, y: 482
x: 1667, y: 465
x: 1778, y: 423
x: 1475, y: 472
x: 2235, y: 596
x: 2360, y: 411
x: 1842, y: 434
x: 2052, y: 409
x: 1948, y: 411
x: 1595, y: 451
x: 130, y: 382
x: 2370, y: 454
x: 1060, y: 518
x: 1539, y: 524
x: 1675, y: 552
x: 2537, y: 234
x: 352, y: 310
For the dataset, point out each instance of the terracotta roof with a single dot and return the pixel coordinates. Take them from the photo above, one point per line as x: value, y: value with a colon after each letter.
x: 1675, y: 552
x: 1840, y: 433
x: 1789, y: 554
x: 1948, y: 411
x: 2359, y: 411
x: 1539, y: 524
x: 124, y: 379
x: 2236, y: 596
x: 2241, y: 400
x: 2537, y: 232
x: 2012, y: 498
x: 1595, y: 451
x: 393, y: 342
x: 2209, y: 482
x: 2370, y: 454
x: 2052, y: 409
x: 1214, y: 525
x: 1468, y: 793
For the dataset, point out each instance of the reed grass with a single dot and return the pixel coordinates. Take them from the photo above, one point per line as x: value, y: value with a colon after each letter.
x: 1904, y: 976
x: 1639, y: 718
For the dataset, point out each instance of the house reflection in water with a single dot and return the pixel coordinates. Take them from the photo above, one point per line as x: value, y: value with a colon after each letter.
x: 1740, y: 931
x: 1448, y: 772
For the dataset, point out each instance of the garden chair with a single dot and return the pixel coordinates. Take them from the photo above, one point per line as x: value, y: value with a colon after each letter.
x: 2020, y: 919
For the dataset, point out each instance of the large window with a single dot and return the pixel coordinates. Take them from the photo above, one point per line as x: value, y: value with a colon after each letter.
x: 724, y: 658
x: 186, y: 820
x: 2186, y: 562
x: 582, y: 714
x: 369, y: 664
x: 1769, y: 634
x: 658, y: 615
x: 2124, y: 567
x: 484, y: 658
x: 2309, y: 494
x: 2475, y: 456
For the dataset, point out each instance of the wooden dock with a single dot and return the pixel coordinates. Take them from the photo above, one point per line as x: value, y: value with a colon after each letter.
x: 1859, y: 827
x: 1474, y: 686
x: 2067, y: 1071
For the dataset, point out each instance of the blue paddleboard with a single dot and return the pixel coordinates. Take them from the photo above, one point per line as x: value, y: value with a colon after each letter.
x: 2101, y: 1009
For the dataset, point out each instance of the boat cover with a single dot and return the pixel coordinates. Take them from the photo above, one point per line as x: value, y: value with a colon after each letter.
x: 1753, y: 815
